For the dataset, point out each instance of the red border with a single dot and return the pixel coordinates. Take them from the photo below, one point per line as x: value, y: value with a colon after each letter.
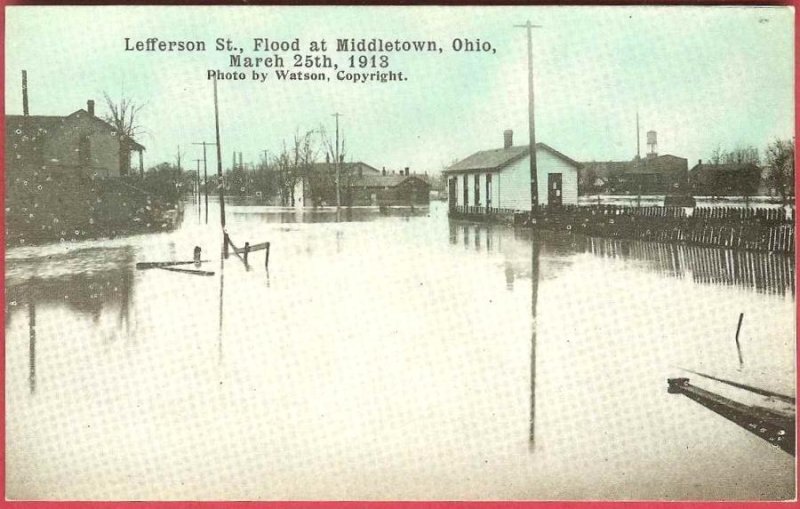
x: 364, y: 504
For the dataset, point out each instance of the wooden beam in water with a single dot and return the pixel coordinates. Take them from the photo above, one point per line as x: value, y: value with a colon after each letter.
x: 157, y: 265
x: 774, y: 427
x: 254, y: 247
x: 189, y: 271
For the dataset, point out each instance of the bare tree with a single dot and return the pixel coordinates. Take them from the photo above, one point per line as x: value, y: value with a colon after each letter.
x: 345, y: 172
x: 124, y: 116
x: 742, y: 155
x: 780, y: 160
x: 716, y: 155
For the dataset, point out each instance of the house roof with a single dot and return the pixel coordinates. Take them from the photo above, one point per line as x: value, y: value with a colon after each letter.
x: 660, y: 164
x: 496, y: 159
x: 344, y: 166
x: 133, y: 143
x: 385, y: 180
x: 34, y: 127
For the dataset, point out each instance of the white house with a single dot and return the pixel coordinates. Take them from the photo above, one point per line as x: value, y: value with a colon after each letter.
x: 500, y: 178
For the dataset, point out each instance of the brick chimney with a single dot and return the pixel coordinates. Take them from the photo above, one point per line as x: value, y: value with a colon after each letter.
x: 90, y: 107
x: 508, y: 138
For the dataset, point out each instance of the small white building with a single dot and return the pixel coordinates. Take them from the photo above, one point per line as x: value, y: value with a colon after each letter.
x: 500, y: 178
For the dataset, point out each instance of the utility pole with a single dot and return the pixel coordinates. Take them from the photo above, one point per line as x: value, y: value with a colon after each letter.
x: 219, y: 160
x: 205, y: 172
x: 638, y: 156
x: 338, y: 192
x: 197, y: 180
x: 531, y: 124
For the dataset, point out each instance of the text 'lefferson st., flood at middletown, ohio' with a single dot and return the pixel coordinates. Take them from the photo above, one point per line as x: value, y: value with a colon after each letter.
x: 346, y: 59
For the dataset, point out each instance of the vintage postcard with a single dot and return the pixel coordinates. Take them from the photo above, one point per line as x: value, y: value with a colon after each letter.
x: 399, y: 253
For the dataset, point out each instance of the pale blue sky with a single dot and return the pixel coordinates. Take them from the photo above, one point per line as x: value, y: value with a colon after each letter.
x: 699, y: 76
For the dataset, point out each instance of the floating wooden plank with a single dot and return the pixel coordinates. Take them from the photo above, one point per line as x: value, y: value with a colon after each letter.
x: 189, y: 271
x: 774, y: 427
x: 254, y: 247
x: 754, y: 390
x: 157, y: 265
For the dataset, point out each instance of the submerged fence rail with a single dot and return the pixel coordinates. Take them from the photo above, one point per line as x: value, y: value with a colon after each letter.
x: 732, y: 227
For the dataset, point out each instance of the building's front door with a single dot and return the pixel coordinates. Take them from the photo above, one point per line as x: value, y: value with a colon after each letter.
x: 554, y: 198
x: 451, y: 194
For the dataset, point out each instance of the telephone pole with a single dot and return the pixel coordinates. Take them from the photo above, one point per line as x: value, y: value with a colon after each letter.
x: 531, y: 124
x: 205, y: 172
x: 338, y: 192
x: 220, y: 184
x: 197, y: 180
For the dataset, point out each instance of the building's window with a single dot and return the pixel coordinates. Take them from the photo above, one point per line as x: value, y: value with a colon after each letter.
x: 84, y: 151
x: 466, y: 190
x: 477, y: 189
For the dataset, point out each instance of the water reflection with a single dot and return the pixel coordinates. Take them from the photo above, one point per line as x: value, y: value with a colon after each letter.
x: 32, y: 346
x: 756, y: 271
x: 86, y: 281
x: 40, y: 282
x: 324, y: 215
x: 535, y: 248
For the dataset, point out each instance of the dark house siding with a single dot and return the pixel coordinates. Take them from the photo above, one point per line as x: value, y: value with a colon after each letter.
x: 725, y: 179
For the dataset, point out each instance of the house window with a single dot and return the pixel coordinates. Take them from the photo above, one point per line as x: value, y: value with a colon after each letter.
x: 84, y: 151
x: 477, y: 189
x: 466, y: 190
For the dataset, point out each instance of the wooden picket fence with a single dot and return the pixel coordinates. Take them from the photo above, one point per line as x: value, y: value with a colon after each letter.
x: 732, y: 227
x: 741, y: 228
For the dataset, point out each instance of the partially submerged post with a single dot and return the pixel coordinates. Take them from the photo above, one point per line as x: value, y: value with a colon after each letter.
x: 246, y: 251
x: 197, y: 253
x: 738, y: 346
x: 266, y: 258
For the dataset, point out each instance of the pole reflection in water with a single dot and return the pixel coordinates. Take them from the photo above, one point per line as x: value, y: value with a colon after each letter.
x: 32, y: 346
x: 534, y: 301
x: 221, y: 310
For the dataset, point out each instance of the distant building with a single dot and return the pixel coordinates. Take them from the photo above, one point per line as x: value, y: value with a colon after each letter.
x: 729, y: 179
x: 402, y: 189
x: 360, y: 184
x: 654, y: 174
x: 500, y: 178
x: 80, y: 140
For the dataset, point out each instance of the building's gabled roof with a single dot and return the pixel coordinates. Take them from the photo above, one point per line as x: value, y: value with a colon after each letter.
x: 131, y: 142
x: 32, y: 124
x: 386, y: 180
x: 666, y: 163
x: 496, y: 159
x: 36, y: 127
x: 331, y: 167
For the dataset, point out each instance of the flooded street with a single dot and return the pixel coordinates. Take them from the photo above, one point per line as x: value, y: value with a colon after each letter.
x: 391, y: 355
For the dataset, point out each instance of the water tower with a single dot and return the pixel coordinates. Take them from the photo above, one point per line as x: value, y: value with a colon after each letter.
x: 651, y: 144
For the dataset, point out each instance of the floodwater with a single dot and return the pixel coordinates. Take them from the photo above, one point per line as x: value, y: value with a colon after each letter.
x: 391, y: 355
